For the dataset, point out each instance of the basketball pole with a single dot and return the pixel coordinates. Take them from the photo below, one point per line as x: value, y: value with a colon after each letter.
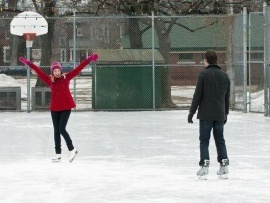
x: 74, y: 54
x: 29, y: 37
x: 28, y: 81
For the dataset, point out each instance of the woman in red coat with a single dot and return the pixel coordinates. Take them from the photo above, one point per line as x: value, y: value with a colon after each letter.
x: 61, y: 100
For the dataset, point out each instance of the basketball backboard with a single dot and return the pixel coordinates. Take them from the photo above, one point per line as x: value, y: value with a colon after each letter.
x: 28, y: 22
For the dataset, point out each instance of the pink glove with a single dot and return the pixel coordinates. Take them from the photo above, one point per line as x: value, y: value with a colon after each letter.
x: 93, y: 57
x: 25, y: 61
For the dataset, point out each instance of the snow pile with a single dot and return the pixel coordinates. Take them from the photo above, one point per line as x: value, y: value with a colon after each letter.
x: 257, y: 101
x: 8, y: 81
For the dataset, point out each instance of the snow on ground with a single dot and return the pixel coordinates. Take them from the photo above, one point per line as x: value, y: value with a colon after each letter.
x: 257, y: 101
x: 131, y: 157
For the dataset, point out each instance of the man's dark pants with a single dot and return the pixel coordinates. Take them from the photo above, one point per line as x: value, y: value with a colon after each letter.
x: 205, y: 134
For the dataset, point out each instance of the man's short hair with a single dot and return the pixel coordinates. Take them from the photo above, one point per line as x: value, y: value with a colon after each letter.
x: 211, y: 57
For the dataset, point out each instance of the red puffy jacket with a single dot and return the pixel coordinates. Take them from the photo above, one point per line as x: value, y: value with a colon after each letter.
x: 61, y: 98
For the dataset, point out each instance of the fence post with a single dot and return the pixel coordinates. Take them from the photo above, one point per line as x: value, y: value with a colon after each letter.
x: 245, y: 59
x: 230, y: 70
x: 266, y: 61
x: 74, y: 53
x: 153, y: 61
x: 249, y: 63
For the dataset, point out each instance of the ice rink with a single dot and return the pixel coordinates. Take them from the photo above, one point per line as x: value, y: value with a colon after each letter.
x: 126, y: 157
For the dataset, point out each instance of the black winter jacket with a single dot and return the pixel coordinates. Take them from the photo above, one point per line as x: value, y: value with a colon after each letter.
x: 211, y: 94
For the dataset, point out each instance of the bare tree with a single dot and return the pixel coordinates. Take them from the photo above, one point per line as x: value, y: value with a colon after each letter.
x: 137, y: 8
x: 163, y: 27
x: 14, y: 40
x: 159, y: 7
x: 48, y: 11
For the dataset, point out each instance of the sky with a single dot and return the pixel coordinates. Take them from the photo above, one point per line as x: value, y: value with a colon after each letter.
x: 131, y: 157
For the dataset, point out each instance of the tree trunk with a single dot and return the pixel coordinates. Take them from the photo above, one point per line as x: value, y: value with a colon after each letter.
x: 164, y: 48
x: 46, y: 46
x: 135, y: 35
x: 46, y: 52
x: 14, y: 40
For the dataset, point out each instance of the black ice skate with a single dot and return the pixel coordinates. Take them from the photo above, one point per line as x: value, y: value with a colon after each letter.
x: 223, y: 169
x: 203, y: 172
x: 57, y: 158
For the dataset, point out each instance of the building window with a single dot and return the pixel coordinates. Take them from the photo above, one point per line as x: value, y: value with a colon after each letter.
x: 7, y: 33
x: 238, y: 56
x: 257, y: 56
x: 71, y: 55
x: 79, y: 31
x: 63, y: 55
x: 85, y: 1
x: 36, y: 54
x: 98, y: 33
x: 186, y: 58
x: 6, y: 50
x: 122, y: 30
x: 62, y: 41
x: 202, y: 57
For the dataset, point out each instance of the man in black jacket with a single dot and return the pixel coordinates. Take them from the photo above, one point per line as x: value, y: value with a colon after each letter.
x: 211, y: 97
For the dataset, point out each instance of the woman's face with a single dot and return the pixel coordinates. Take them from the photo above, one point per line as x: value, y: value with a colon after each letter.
x: 57, y: 73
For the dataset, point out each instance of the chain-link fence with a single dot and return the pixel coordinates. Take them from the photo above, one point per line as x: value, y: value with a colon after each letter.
x: 256, y: 63
x: 237, y: 73
x: 139, y: 67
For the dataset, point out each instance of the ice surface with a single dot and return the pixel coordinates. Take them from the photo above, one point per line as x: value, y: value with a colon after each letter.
x: 127, y: 157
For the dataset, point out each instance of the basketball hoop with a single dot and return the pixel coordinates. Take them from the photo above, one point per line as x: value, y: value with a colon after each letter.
x: 29, y: 37
x: 28, y: 24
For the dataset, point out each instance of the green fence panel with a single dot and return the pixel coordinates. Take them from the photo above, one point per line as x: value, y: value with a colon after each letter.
x: 125, y: 88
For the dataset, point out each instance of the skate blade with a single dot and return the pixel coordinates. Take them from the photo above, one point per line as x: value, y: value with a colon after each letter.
x: 202, y: 177
x: 73, y: 157
x: 56, y: 160
x: 224, y: 176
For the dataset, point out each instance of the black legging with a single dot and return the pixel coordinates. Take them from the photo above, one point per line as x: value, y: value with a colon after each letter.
x: 60, y: 120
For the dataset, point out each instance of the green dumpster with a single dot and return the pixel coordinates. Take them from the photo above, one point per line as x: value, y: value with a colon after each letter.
x: 122, y: 79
